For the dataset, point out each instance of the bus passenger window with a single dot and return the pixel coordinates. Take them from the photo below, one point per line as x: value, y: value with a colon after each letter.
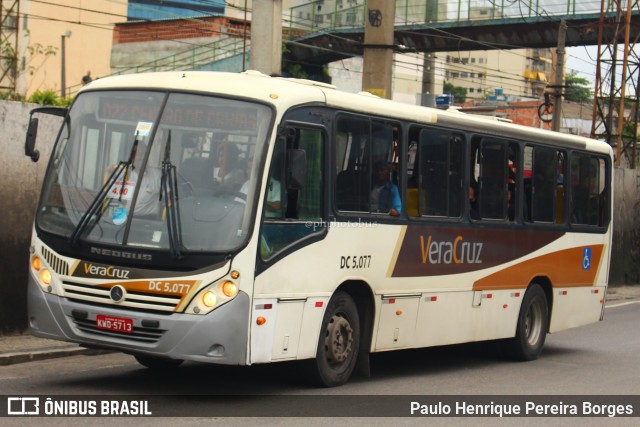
x: 438, y: 173
x: 560, y: 188
x: 366, y: 162
x: 492, y: 180
x: 289, y: 211
x: 352, y: 164
x: 542, y: 202
x: 588, y: 190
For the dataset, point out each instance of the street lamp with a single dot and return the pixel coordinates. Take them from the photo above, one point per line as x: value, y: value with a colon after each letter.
x: 63, y: 86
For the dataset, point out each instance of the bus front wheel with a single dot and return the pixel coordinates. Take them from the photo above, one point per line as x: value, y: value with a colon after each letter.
x: 338, y: 343
x: 533, y: 323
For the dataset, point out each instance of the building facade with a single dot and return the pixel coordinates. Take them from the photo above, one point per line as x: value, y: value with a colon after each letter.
x: 43, y: 30
x: 105, y: 37
x: 519, y: 73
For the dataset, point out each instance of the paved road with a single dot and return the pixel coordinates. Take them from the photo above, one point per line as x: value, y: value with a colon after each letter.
x: 599, y: 359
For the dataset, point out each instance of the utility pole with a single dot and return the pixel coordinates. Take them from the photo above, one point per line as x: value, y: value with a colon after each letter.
x: 378, y: 47
x: 559, y: 77
x: 429, y: 63
x: 266, y: 37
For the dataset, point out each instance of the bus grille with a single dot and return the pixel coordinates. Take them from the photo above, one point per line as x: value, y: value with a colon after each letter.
x: 134, y: 299
x: 57, y: 265
x: 147, y: 335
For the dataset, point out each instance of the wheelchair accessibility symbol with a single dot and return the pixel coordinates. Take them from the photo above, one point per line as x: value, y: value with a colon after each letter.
x: 586, y: 259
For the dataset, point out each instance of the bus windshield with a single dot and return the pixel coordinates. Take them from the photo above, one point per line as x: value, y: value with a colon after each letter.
x: 170, y: 171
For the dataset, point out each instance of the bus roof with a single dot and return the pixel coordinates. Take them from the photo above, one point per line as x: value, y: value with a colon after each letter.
x: 285, y: 93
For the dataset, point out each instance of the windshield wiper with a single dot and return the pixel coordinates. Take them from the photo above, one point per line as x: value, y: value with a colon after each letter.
x: 169, y: 189
x: 121, y: 168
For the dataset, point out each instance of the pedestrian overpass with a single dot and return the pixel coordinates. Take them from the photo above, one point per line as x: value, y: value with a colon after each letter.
x: 324, y: 31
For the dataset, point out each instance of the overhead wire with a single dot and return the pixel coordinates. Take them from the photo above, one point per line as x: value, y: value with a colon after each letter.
x: 444, y: 33
x: 491, y: 46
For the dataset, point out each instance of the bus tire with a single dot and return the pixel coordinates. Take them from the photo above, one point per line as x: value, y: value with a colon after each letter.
x: 159, y: 363
x: 338, y: 343
x: 533, y: 323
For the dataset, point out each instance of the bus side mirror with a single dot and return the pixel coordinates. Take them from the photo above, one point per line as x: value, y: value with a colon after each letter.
x: 296, y: 168
x: 30, y: 142
x: 32, y: 130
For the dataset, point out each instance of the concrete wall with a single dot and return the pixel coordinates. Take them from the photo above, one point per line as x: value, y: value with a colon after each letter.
x: 21, y: 181
x: 625, y: 258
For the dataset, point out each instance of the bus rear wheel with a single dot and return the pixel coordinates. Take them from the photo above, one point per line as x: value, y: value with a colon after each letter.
x: 338, y: 343
x: 159, y: 363
x: 533, y: 323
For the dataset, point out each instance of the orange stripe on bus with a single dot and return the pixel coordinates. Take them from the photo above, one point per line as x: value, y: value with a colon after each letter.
x: 563, y: 268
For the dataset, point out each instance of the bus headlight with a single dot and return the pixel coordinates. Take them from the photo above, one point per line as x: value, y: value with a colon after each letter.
x: 45, y: 276
x: 209, y: 299
x: 229, y: 289
x: 215, y: 295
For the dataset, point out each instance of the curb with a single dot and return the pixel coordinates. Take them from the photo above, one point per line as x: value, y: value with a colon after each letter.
x: 11, y: 358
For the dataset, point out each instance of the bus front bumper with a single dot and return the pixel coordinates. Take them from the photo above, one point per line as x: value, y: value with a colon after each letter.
x: 220, y: 336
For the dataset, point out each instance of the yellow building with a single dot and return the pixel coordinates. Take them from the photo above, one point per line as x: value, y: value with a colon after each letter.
x: 85, y: 27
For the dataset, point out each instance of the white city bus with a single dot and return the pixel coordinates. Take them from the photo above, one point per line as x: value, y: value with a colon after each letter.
x: 240, y: 219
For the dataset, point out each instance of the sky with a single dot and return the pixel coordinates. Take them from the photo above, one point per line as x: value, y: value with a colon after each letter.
x: 584, y: 60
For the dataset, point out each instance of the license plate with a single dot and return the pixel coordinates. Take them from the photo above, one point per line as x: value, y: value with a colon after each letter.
x: 115, y: 324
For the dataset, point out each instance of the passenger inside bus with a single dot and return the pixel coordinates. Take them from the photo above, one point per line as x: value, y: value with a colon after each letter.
x: 228, y: 174
x: 473, y: 203
x: 195, y: 169
x: 148, y: 201
x: 385, y: 197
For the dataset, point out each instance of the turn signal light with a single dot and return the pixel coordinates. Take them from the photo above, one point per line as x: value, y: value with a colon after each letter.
x: 36, y: 263
x: 261, y: 320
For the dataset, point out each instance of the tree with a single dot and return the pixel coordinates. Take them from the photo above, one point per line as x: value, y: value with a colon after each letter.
x: 36, y: 51
x: 578, y: 89
x: 459, y: 93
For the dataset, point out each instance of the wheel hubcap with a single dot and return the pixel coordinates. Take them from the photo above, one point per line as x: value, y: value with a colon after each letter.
x: 533, y: 323
x: 338, y: 340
